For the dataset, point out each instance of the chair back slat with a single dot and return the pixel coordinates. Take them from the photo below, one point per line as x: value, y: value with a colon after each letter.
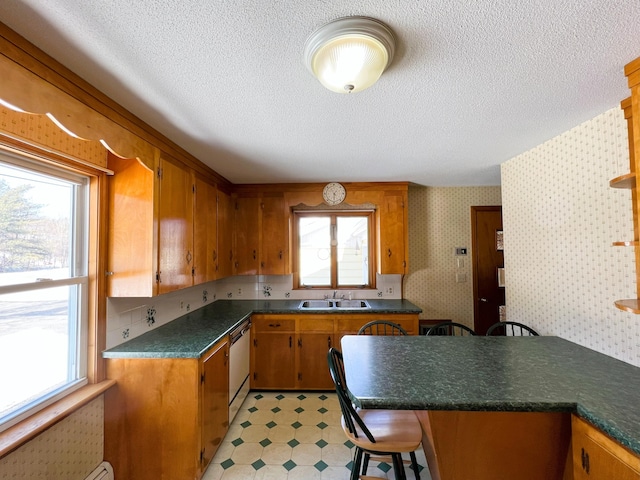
x: 450, y: 329
x: 511, y: 329
x: 382, y: 327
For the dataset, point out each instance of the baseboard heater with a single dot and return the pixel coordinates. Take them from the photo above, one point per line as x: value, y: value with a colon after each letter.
x: 103, y: 472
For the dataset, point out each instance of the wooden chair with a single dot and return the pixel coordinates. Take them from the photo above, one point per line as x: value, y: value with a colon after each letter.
x: 375, y: 432
x: 450, y: 329
x: 511, y: 329
x: 382, y: 327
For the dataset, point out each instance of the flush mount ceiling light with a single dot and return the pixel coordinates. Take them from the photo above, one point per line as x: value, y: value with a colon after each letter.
x: 349, y: 54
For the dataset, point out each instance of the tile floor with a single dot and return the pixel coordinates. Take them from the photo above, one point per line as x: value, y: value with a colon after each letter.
x: 291, y: 435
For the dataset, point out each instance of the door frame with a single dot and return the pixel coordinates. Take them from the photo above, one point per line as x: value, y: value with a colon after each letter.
x: 474, y: 254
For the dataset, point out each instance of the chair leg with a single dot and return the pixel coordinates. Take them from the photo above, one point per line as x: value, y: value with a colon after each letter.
x: 398, y: 466
x: 365, y: 463
x: 414, y: 465
x: 355, y: 469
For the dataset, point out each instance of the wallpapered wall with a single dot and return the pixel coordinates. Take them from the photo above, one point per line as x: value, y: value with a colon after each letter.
x: 439, y: 221
x: 560, y: 218
x: 69, y: 450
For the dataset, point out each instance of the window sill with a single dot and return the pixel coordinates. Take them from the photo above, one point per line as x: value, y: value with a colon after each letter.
x: 21, y: 433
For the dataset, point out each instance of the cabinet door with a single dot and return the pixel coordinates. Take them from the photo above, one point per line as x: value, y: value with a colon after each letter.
x: 273, y: 236
x: 313, y: 369
x: 133, y: 255
x: 204, y: 231
x: 247, y: 234
x: 392, y: 234
x: 597, y: 457
x: 273, y: 360
x: 175, y: 235
x: 215, y: 401
x: 224, y: 252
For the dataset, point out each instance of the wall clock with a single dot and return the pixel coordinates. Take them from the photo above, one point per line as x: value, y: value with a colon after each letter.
x: 334, y: 193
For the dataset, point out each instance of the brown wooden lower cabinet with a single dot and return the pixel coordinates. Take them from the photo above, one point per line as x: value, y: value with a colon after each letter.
x: 497, y: 445
x: 598, y: 457
x: 289, y: 351
x: 166, y: 417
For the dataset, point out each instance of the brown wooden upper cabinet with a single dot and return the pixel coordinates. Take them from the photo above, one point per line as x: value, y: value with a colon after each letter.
x: 260, y: 234
x: 224, y: 254
x: 163, y: 230
x: 392, y: 233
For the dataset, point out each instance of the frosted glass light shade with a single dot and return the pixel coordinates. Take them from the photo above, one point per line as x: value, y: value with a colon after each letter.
x: 349, y: 54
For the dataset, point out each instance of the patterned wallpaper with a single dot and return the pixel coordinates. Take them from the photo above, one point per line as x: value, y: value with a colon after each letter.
x: 69, y: 450
x: 560, y: 217
x: 439, y: 221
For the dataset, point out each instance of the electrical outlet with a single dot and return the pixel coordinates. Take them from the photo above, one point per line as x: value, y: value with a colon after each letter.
x: 181, y: 305
x: 239, y: 292
x: 389, y: 290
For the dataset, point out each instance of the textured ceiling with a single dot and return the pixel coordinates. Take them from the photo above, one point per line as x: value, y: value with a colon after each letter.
x: 473, y: 83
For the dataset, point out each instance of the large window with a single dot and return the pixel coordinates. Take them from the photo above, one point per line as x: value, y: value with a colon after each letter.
x: 43, y: 286
x: 334, y: 249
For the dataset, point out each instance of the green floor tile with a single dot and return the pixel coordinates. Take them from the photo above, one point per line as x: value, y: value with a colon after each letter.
x: 293, y: 443
x: 289, y: 465
x: 237, y: 441
x: 266, y: 442
x: 323, y: 410
x: 321, y: 465
x: 227, y: 463
x: 271, y: 424
x: 322, y: 443
x: 322, y: 425
x: 258, y: 464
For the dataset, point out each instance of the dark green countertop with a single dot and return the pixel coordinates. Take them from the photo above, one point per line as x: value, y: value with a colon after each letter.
x: 541, y: 374
x: 193, y: 334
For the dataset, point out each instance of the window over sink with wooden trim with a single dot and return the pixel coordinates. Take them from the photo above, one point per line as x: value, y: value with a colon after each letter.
x: 334, y: 249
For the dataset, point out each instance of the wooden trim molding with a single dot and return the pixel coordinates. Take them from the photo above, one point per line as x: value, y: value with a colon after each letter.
x: 37, y: 83
x: 33, y: 426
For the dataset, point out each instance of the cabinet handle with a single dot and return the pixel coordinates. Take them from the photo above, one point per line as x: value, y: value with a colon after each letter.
x: 189, y: 257
x: 274, y: 325
x: 215, y: 256
x: 290, y: 344
x: 584, y: 456
x: 329, y: 341
x: 389, y: 253
x: 261, y: 264
x: 300, y: 342
x: 254, y: 254
x: 280, y: 254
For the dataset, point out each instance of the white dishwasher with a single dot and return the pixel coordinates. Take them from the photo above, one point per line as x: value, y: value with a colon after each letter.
x: 239, y: 352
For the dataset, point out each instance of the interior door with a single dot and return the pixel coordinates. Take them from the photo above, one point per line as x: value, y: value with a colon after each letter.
x: 487, y: 258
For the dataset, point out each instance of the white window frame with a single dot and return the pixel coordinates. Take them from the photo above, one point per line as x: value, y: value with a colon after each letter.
x: 79, y: 278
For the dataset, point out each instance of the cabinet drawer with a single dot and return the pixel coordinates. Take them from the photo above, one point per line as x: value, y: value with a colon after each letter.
x: 597, y: 457
x: 273, y: 323
x: 315, y: 323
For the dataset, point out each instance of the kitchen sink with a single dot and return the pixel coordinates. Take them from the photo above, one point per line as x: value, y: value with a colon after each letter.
x: 330, y: 304
x: 317, y: 304
x: 352, y: 304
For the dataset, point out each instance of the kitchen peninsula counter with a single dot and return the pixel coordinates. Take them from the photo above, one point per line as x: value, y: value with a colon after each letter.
x: 190, y: 335
x: 496, y: 374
